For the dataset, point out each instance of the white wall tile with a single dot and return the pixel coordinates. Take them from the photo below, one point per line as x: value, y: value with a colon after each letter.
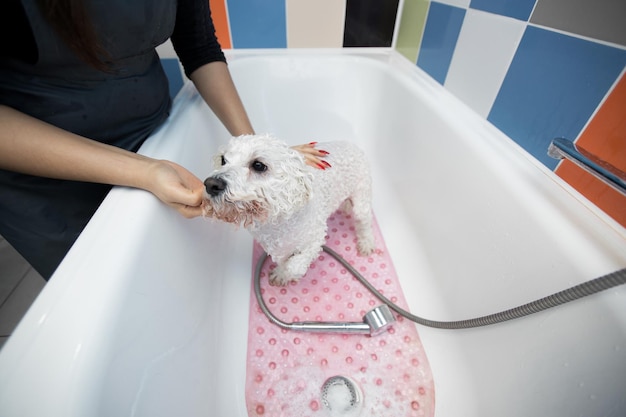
x: 484, y: 51
x: 464, y: 4
x: 166, y: 50
x: 315, y: 23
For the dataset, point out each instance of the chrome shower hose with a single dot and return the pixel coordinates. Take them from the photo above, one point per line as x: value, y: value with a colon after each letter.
x: 585, y: 289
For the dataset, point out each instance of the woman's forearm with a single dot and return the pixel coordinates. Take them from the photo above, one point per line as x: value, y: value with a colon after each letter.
x: 30, y: 146
x: 216, y: 87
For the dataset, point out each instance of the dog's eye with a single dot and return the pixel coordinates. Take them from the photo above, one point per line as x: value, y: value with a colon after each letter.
x: 258, y: 166
x: 223, y: 160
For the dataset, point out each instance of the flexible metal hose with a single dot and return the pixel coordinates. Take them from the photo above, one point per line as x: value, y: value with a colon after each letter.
x: 579, y: 291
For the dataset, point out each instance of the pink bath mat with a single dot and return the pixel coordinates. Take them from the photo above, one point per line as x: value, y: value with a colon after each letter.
x: 286, y: 370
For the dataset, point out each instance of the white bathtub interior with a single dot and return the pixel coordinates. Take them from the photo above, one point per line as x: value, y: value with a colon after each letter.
x: 147, y: 315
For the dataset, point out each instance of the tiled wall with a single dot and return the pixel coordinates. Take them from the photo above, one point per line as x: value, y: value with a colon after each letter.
x: 304, y: 23
x: 536, y: 69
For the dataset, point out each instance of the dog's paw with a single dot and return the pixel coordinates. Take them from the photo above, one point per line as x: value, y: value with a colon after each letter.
x: 346, y: 206
x: 365, y: 247
x: 279, y: 277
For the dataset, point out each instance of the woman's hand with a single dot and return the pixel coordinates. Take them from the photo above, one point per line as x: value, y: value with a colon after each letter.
x: 176, y: 187
x: 312, y: 155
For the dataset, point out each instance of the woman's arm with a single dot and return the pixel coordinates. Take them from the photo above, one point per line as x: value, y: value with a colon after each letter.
x: 215, y: 85
x: 203, y: 60
x: 30, y: 146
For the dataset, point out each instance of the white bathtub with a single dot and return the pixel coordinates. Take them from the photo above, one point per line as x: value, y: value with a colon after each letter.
x: 147, y: 315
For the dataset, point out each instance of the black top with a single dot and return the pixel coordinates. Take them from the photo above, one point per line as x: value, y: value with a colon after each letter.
x: 42, y: 77
x: 193, y: 36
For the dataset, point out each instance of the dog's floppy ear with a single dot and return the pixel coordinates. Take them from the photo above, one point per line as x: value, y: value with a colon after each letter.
x: 305, y: 181
x: 294, y: 183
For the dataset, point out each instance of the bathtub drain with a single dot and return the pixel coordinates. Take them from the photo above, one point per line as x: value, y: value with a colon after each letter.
x: 341, y: 397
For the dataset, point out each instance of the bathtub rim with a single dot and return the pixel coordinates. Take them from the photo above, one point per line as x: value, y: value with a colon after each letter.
x: 381, y: 56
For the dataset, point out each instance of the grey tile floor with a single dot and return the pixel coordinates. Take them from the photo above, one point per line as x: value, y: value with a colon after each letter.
x: 19, y: 286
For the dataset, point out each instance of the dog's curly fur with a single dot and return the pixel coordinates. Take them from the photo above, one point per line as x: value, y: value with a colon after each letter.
x: 265, y: 185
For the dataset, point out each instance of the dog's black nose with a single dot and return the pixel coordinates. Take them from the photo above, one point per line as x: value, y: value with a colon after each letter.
x: 214, y: 186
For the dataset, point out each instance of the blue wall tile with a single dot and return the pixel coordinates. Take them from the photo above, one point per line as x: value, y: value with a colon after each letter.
x: 258, y: 23
x: 174, y: 75
x: 439, y: 40
x: 552, y: 88
x: 518, y: 9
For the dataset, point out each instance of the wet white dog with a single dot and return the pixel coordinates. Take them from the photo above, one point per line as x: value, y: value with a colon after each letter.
x: 265, y: 185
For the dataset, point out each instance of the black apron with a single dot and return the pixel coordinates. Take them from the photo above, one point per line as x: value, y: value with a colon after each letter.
x: 42, y: 217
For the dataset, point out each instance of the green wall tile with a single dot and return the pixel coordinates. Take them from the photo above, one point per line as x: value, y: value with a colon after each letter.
x: 411, y: 28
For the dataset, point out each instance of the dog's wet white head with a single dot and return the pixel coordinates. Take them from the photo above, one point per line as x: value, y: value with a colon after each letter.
x: 258, y: 178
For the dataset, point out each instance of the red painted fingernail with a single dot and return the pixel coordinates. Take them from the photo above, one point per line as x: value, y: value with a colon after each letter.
x: 321, y: 166
x: 324, y: 152
x: 312, y: 143
x: 327, y: 164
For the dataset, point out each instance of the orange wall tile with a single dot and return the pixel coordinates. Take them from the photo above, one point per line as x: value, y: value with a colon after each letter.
x: 605, y: 137
x: 220, y: 20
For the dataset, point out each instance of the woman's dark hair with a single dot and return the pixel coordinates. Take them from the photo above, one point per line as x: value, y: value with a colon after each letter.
x: 71, y: 20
